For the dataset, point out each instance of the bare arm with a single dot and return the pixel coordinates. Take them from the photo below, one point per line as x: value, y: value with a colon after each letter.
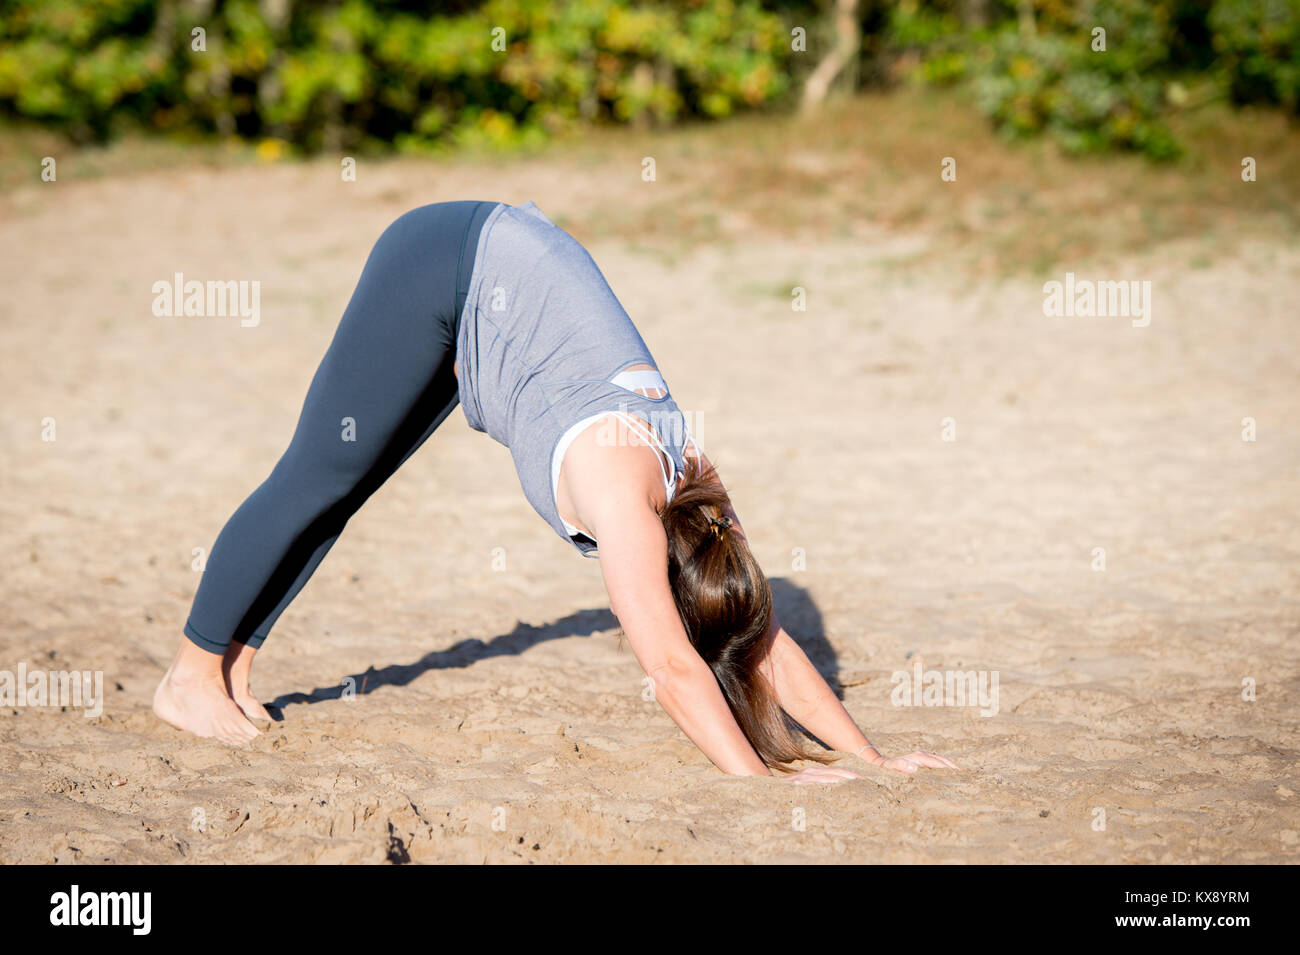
x: 634, y: 564
x: 805, y: 695
x: 809, y: 699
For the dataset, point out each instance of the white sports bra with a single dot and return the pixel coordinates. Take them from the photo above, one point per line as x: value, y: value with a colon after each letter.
x: 643, y: 380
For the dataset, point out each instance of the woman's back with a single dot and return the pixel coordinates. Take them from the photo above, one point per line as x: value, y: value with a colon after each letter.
x: 540, y: 338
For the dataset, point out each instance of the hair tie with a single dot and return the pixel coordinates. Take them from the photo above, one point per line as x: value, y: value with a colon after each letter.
x: 718, y: 525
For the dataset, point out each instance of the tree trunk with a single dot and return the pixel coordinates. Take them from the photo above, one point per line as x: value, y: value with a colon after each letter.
x: 848, y: 39
x: 1028, y: 27
x: 975, y: 14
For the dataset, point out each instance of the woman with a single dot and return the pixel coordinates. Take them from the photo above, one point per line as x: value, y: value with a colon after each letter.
x: 495, y: 307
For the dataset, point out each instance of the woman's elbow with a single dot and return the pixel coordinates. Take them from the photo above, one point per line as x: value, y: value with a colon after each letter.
x: 672, y: 674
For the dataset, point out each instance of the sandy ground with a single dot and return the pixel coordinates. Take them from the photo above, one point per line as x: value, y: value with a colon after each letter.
x: 496, y: 716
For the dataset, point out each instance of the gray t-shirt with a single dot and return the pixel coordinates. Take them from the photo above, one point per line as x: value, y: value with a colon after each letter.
x: 540, y: 337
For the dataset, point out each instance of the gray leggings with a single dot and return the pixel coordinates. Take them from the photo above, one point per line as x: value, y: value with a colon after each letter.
x: 388, y: 370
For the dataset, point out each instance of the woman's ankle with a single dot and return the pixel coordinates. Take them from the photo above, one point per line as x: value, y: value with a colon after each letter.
x: 238, y: 661
x: 194, y: 664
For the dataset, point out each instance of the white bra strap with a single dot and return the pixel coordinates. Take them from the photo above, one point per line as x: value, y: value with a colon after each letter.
x: 640, y: 428
x: 691, y: 439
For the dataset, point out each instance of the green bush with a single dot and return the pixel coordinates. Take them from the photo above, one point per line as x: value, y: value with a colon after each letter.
x: 1088, y: 101
x: 1050, y: 80
x: 373, y: 72
x: 417, y: 74
x: 1258, y: 43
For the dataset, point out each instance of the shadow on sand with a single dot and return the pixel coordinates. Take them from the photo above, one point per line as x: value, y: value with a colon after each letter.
x: 794, y: 608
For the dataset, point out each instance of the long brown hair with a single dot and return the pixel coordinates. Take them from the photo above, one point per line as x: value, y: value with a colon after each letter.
x: 725, y: 604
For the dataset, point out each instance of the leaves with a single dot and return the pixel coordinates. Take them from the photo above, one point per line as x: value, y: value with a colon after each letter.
x: 367, y: 71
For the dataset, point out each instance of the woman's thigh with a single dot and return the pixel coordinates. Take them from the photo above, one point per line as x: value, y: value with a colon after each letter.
x: 386, y: 380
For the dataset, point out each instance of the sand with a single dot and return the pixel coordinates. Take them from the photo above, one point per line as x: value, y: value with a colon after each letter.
x: 496, y: 718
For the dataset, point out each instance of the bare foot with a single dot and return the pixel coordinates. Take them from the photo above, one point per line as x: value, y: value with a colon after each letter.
x: 192, y: 697
x: 235, y: 667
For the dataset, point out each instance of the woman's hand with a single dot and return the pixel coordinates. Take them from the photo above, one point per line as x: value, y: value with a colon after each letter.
x: 914, y: 761
x: 819, y: 775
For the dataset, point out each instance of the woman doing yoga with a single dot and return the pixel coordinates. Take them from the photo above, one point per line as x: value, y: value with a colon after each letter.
x: 495, y: 307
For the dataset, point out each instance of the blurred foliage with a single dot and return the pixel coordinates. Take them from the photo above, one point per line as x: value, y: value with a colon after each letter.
x: 358, y: 74
x: 362, y: 73
x: 1258, y: 44
x: 1037, y: 66
x: 1088, y: 99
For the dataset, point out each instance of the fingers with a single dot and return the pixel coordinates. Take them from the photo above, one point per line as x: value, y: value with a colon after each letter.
x: 922, y: 758
x: 842, y: 773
